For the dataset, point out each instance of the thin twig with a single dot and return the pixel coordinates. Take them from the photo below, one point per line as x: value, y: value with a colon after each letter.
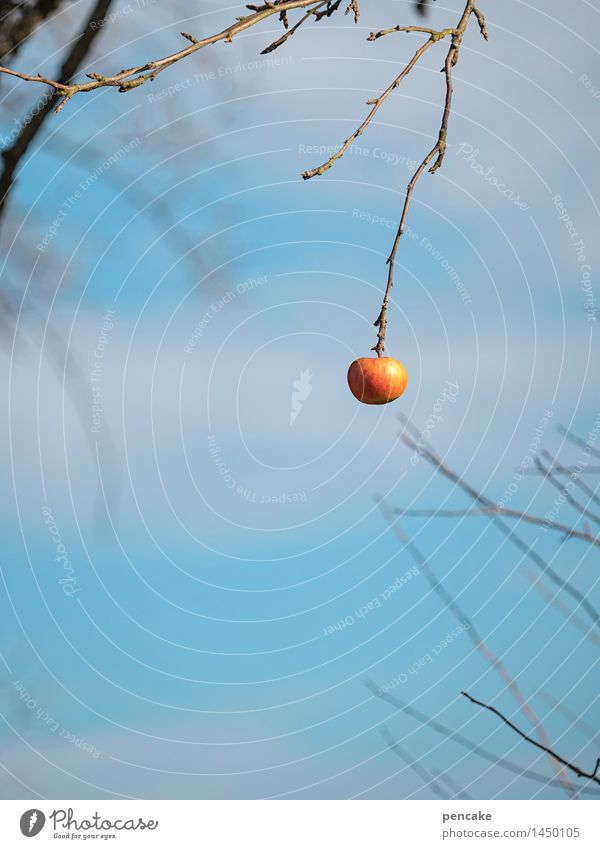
x: 375, y: 106
x: 466, y: 743
x: 568, y: 470
x: 569, y: 714
x: 418, y: 444
x: 438, y: 151
x: 556, y: 601
x: 504, y: 511
x: 435, y: 34
x: 553, y: 480
x: 353, y: 8
x: 577, y: 440
x: 593, y: 776
x: 435, y: 155
x: 481, y: 21
x: 575, y: 475
x: 289, y: 32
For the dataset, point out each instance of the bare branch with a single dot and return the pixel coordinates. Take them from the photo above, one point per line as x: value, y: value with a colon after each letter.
x: 79, y: 50
x: 375, y: 106
x: 130, y: 78
x: 547, y: 473
x: 556, y: 601
x: 569, y: 714
x: 435, y: 34
x: 574, y: 473
x: 438, y: 151
x: 576, y: 440
x: 504, y: 511
x: 20, y: 20
x: 354, y: 8
x: 481, y: 21
x: 568, y: 470
x: 466, y: 743
x: 290, y: 32
x: 418, y: 444
x: 408, y: 759
x: 455, y: 788
x: 593, y: 776
x: 435, y: 155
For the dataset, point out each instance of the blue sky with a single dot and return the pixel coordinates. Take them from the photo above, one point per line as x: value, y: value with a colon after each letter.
x: 212, y: 545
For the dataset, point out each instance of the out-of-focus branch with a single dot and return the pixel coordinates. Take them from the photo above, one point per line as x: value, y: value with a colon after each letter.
x: 417, y: 444
x: 503, y: 511
x: 592, y: 776
x: 408, y: 759
x: 568, y: 470
x: 574, y: 473
x: 564, y: 491
x: 455, y: 788
x: 576, y: 720
x: 152, y: 205
x: 577, y: 440
x: 79, y: 50
x: 466, y: 743
x: 479, y: 643
x: 19, y: 19
x: 556, y: 601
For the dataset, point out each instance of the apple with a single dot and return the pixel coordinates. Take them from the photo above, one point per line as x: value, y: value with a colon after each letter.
x: 377, y: 380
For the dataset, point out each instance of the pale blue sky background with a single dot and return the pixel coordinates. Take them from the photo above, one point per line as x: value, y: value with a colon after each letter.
x: 194, y: 659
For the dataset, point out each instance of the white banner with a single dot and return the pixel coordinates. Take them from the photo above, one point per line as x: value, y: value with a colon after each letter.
x: 302, y: 824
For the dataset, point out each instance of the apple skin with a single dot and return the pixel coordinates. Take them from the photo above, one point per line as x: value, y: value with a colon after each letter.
x: 377, y: 380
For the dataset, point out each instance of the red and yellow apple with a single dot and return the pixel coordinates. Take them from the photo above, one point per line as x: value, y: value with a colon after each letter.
x: 377, y: 380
